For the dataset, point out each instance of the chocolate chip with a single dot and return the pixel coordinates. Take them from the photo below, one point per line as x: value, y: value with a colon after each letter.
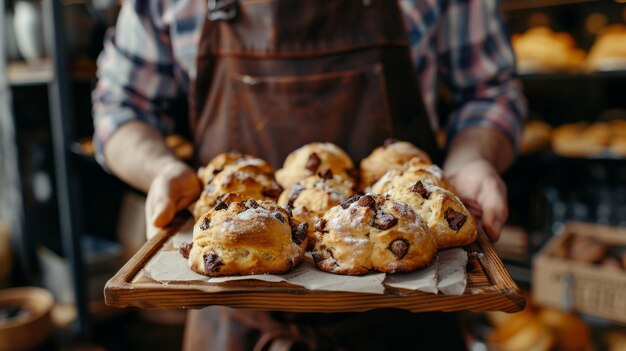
x: 217, y: 170
x: 212, y: 262
x: 367, y: 201
x: 320, y: 226
x: 317, y: 257
x: 313, y: 163
x: 399, y: 248
x: 221, y: 206
x: 419, y: 188
x: 384, y: 221
x: 250, y: 203
x: 205, y: 224
x: 455, y: 219
x: 272, y: 192
x: 299, y: 234
x: 327, y: 174
x: 185, y: 248
x: 390, y: 141
x: 345, y: 204
x: 279, y: 216
x: 293, y: 195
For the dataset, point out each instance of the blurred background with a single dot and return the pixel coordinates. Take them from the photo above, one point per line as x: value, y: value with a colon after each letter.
x: 67, y: 226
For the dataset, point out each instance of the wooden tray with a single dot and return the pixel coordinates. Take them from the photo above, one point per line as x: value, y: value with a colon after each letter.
x: 489, y: 288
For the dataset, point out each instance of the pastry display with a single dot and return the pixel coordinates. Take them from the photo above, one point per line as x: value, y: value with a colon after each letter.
x: 540, y: 49
x: 447, y: 218
x: 311, y: 197
x: 590, y: 140
x: 246, y: 237
x: 369, y: 232
x: 536, y: 136
x: 313, y: 158
x: 608, y: 52
x: 247, y: 177
x: 410, y: 173
x: 392, y: 155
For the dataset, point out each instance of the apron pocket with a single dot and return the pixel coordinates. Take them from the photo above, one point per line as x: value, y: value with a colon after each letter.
x: 277, y: 114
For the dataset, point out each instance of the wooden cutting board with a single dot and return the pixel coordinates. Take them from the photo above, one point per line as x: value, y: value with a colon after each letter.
x: 489, y: 288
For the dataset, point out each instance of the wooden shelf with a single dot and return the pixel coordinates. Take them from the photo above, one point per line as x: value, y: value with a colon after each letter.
x: 23, y: 73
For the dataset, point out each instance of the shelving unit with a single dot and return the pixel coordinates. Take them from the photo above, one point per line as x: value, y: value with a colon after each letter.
x: 53, y: 74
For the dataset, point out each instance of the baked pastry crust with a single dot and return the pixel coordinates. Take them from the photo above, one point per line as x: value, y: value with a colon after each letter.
x: 249, y: 237
x: 410, y: 173
x: 311, y: 197
x: 447, y: 218
x: 313, y: 158
x: 536, y: 136
x: 392, y: 155
x: 370, y: 232
x: 246, y: 177
x: 231, y: 159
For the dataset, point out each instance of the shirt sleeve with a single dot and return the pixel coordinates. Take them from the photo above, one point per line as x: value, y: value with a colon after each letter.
x: 476, y: 60
x: 135, y: 73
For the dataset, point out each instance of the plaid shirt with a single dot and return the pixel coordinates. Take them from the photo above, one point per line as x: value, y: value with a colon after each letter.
x: 149, y: 59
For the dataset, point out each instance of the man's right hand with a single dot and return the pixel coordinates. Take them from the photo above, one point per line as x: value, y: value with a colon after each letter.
x: 172, y: 190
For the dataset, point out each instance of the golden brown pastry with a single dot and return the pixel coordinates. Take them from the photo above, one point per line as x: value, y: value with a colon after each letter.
x: 567, y: 141
x: 313, y: 158
x: 609, y: 50
x: 536, y: 136
x: 541, y: 49
x: 250, y: 237
x: 370, y: 232
x: 393, y: 154
x: 586, y: 249
x: 311, y: 197
x: 231, y: 159
x: 181, y: 147
x: 410, y: 173
x: 447, y: 218
x: 247, y: 178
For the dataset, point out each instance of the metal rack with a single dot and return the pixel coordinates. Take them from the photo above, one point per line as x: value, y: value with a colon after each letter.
x: 56, y: 77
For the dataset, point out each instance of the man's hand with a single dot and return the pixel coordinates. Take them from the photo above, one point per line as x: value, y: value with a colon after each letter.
x: 483, y: 191
x: 475, y: 158
x: 173, y: 190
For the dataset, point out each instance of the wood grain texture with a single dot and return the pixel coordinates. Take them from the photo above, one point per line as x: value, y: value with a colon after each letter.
x: 489, y: 288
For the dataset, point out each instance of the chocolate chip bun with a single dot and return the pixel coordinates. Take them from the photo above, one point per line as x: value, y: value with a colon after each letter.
x: 446, y: 216
x: 311, y: 197
x: 368, y: 233
x: 313, y: 158
x: 410, y: 173
x: 392, y: 155
x: 248, y: 178
x: 250, y: 237
x: 231, y: 159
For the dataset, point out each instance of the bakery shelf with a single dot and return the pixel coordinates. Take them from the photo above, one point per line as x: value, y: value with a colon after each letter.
x: 21, y: 73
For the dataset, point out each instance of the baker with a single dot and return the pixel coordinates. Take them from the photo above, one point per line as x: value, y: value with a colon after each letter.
x: 266, y: 76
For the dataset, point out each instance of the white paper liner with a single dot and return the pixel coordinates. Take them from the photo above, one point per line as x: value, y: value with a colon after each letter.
x: 447, y: 273
x: 452, y: 272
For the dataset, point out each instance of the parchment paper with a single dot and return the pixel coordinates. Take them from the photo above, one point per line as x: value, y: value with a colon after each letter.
x: 447, y: 273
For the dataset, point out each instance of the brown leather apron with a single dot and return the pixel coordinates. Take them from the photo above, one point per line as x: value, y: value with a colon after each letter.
x: 273, y: 75
x: 283, y: 73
